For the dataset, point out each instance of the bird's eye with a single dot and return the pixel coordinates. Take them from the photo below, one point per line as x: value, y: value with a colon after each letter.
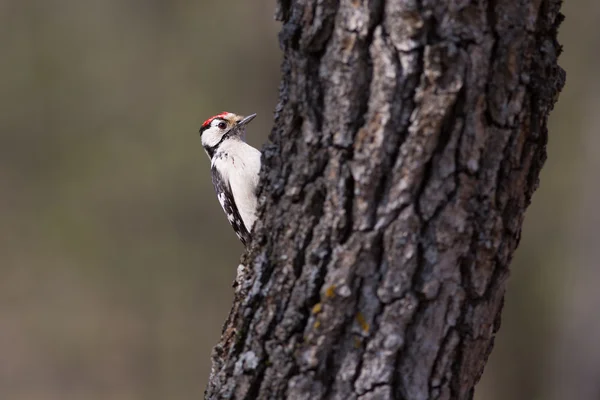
x: 222, y: 125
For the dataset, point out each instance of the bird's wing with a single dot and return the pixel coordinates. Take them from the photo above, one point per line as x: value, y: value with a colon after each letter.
x: 225, y: 196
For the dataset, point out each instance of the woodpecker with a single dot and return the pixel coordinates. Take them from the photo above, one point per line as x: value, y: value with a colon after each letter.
x: 235, y: 168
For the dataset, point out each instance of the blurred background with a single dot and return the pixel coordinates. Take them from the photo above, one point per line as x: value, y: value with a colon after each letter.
x: 116, y: 261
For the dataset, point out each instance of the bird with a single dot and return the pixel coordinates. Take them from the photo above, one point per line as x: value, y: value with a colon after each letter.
x: 235, y: 169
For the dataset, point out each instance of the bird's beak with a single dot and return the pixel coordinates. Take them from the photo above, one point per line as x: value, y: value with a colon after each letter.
x: 246, y: 120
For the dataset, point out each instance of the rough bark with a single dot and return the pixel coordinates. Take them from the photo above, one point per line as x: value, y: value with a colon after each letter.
x: 407, y: 144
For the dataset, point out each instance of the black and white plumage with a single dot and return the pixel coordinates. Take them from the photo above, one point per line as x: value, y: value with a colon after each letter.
x: 235, y: 168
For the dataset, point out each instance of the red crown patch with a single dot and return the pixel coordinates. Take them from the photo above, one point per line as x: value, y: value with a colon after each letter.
x: 208, y: 121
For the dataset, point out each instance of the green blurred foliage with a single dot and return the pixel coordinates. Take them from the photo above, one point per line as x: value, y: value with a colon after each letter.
x: 116, y: 261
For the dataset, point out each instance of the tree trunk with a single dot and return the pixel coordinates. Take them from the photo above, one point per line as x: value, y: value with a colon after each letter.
x: 408, y: 141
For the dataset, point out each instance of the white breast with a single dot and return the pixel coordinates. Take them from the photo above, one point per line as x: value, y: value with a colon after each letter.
x: 239, y: 164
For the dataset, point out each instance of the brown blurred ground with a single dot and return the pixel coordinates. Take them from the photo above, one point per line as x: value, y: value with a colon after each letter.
x: 115, y: 259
